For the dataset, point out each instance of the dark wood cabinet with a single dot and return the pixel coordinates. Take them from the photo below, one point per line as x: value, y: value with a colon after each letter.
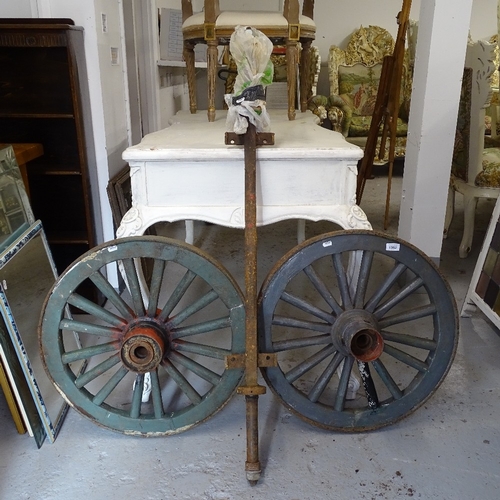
x: 42, y: 100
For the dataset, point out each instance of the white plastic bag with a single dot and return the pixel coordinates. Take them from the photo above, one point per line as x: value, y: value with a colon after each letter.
x: 251, y: 50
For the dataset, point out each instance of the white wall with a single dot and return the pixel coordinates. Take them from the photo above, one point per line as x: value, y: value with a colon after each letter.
x: 9, y: 8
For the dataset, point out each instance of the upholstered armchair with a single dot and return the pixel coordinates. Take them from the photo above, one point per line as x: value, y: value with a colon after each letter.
x: 475, y: 171
x: 354, y: 75
x: 214, y: 27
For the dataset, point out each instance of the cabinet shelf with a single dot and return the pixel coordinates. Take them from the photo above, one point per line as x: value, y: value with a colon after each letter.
x: 180, y: 64
x: 63, y: 238
x: 52, y: 116
x: 41, y: 169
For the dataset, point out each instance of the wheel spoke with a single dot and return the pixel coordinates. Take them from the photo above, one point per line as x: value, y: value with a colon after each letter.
x: 343, y: 384
x: 324, y: 378
x: 109, y: 386
x: 182, y: 382
x: 206, y: 326
x: 297, y: 323
x: 177, y: 295
x: 133, y: 285
x: 398, y: 297
x: 202, y: 350
x: 196, y: 368
x: 323, y: 290
x: 342, y: 281
x: 202, y: 302
x: 410, y: 340
x: 135, y: 409
x: 363, y: 277
x: 410, y: 315
x: 368, y: 384
x: 156, y: 394
x: 309, y: 363
x: 307, y: 307
x: 391, y: 278
x: 82, y: 327
x: 89, y: 307
x: 386, y: 378
x: 405, y: 358
x: 98, y: 370
x: 155, y: 287
x: 289, y: 344
x: 88, y: 352
x: 112, y: 295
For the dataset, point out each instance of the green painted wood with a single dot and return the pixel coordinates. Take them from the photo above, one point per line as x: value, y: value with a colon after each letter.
x: 185, y: 283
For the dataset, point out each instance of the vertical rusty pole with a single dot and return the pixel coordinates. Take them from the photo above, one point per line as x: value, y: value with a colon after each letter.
x: 252, y: 359
x: 251, y: 389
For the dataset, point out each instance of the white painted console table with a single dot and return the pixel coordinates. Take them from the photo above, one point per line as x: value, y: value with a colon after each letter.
x: 186, y: 172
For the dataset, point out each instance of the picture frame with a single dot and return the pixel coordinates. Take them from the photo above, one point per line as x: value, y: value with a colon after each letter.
x: 484, y: 288
x: 16, y: 214
x: 119, y: 190
x: 27, y: 274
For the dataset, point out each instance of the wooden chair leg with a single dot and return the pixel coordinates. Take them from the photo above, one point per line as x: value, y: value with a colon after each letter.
x: 292, y: 61
x: 188, y: 54
x: 470, y: 203
x: 211, y: 77
x: 450, y: 211
x: 305, y: 74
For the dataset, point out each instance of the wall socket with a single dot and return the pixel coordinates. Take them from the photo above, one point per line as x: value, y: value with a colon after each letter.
x: 115, y: 56
x: 104, y: 22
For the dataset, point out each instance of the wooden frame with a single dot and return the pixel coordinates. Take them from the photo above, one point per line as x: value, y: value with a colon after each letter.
x: 12, y: 396
x: 484, y: 288
x: 119, y: 190
x: 27, y: 273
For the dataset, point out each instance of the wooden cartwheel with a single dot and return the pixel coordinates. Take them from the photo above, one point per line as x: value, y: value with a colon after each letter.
x: 353, y: 330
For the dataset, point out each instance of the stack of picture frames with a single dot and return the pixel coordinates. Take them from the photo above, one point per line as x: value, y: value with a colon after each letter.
x: 484, y: 288
x: 27, y: 273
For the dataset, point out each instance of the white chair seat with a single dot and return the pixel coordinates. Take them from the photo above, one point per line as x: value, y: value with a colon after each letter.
x: 230, y: 19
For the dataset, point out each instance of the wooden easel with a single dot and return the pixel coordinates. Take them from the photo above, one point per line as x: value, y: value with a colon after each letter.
x: 385, y: 115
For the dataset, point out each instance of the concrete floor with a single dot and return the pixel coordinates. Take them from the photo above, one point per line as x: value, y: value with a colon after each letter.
x: 447, y: 449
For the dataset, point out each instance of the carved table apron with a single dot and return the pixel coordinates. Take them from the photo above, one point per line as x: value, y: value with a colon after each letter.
x: 186, y: 172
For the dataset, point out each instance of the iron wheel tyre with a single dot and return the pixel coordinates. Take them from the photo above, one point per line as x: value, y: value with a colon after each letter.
x: 151, y: 331
x: 327, y: 314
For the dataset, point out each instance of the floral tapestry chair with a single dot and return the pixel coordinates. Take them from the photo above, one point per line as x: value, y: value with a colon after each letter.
x: 475, y: 171
x: 354, y: 75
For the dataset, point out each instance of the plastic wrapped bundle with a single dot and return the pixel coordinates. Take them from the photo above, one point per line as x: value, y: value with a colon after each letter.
x: 251, y: 50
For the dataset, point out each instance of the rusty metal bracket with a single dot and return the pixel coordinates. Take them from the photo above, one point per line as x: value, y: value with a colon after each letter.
x: 264, y: 360
x: 262, y: 139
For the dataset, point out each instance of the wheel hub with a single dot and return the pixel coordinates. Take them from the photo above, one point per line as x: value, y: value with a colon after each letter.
x: 356, y: 333
x: 143, y: 348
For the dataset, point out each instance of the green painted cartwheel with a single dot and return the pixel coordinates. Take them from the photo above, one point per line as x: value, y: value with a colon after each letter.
x: 174, y: 335
x: 356, y: 306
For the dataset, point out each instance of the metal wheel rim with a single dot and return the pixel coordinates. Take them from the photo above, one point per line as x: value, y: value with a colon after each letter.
x: 445, y: 334
x: 159, y: 420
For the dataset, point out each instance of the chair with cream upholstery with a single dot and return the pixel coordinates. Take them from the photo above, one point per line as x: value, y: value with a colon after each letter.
x: 475, y: 171
x: 215, y: 28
